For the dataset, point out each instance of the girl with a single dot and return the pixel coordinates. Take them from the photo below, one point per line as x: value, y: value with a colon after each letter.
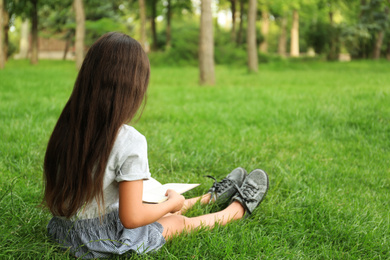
x: 95, y: 164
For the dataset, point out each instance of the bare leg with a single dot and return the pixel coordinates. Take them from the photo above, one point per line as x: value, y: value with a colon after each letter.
x: 189, y: 203
x: 175, y: 224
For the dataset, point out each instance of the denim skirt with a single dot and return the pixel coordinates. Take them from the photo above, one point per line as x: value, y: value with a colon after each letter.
x: 100, y: 238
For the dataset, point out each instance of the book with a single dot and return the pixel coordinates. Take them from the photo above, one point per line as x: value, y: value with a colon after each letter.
x: 154, y: 191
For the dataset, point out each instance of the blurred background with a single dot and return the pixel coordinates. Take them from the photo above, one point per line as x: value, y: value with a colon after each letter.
x: 169, y: 29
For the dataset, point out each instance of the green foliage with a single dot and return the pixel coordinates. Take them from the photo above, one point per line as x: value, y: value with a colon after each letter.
x: 318, y: 36
x: 321, y: 131
x: 95, y: 29
x: 184, y: 50
x: 228, y: 52
x: 360, y: 38
x: 356, y: 39
x: 12, y: 48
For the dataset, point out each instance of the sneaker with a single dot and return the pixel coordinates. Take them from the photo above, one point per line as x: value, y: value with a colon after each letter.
x: 252, y: 191
x: 223, y: 191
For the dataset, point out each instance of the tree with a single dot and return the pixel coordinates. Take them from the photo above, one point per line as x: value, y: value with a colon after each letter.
x: 332, y: 55
x: 241, y: 25
x: 263, y: 47
x: 29, y: 8
x: 80, y: 31
x: 251, y: 37
x: 2, y: 54
x: 34, y: 32
x: 233, y: 8
x: 206, y: 45
x: 283, y: 37
x: 23, y: 45
x: 294, y: 44
x: 142, y: 14
x: 5, y: 30
x: 153, y: 11
x: 381, y: 18
x: 169, y: 16
x: 279, y: 9
x: 174, y: 7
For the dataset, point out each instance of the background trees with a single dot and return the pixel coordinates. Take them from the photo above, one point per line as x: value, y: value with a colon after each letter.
x: 251, y: 36
x: 206, y: 45
x: 169, y: 29
x: 80, y: 31
x: 2, y: 53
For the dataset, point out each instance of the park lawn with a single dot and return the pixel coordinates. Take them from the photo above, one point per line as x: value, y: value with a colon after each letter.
x: 321, y: 131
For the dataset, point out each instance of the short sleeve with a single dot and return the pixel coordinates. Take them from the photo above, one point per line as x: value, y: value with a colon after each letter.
x: 134, y: 159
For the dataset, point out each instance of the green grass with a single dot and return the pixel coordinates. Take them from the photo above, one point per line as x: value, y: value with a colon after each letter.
x: 321, y: 131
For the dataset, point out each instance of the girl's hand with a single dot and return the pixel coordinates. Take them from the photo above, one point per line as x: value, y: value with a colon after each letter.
x: 176, y: 199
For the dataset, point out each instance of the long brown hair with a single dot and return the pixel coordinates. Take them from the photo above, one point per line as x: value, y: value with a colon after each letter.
x: 109, y: 90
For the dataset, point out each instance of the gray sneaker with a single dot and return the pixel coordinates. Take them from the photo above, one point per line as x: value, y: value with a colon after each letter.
x: 223, y: 191
x: 252, y: 191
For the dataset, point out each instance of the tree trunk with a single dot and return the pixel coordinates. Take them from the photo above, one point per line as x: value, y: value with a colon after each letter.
x: 283, y: 37
x: 378, y: 45
x: 34, y: 32
x: 251, y: 37
x: 6, y: 30
x: 241, y: 28
x: 264, y: 31
x: 153, y: 24
x: 23, y: 45
x: 2, y: 56
x: 169, y: 15
x: 142, y: 14
x: 379, y: 39
x: 294, y: 46
x: 67, y: 43
x: 80, y: 32
x: 332, y: 52
x: 206, y: 45
x: 233, y: 32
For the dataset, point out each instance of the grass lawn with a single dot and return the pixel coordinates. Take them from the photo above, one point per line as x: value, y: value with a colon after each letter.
x: 321, y: 131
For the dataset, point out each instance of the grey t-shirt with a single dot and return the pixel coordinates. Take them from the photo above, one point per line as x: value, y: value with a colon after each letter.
x: 128, y: 161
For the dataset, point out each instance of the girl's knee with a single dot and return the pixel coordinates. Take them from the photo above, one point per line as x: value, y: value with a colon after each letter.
x: 173, y: 225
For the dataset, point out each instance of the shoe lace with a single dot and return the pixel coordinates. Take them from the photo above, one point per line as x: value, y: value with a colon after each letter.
x: 220, y: 186
x: 247, y: 192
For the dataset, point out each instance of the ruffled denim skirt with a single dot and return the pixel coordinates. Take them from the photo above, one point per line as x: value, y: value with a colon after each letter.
x: 95, y: 238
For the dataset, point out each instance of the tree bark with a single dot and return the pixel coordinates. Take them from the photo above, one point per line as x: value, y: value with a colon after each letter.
x: 332, y: 52
x: 378, y: 45
x: 294, y: 46
x: 34, y: 32
x: 283, y: 37
x: 23, y: 45
x: 80, y: 32
x: 142, y: 14
x: 67, y: 44
x: 264, y: 31
x: 169, y: 15
x: 251, y: 37
x: 241, y: 28
x: 153, y: 24
x: 379, y: 39
x: 206, y: 45
x: 233, y: 9
x: 2, y: 56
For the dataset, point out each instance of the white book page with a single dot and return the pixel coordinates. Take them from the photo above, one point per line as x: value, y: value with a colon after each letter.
x: 151, y: 183
x: 154, y: 192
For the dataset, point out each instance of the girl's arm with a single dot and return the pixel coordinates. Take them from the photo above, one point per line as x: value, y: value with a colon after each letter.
x: 134, y: 213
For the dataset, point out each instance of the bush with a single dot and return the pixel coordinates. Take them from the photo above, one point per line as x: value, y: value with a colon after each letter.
x: 184, y: 49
